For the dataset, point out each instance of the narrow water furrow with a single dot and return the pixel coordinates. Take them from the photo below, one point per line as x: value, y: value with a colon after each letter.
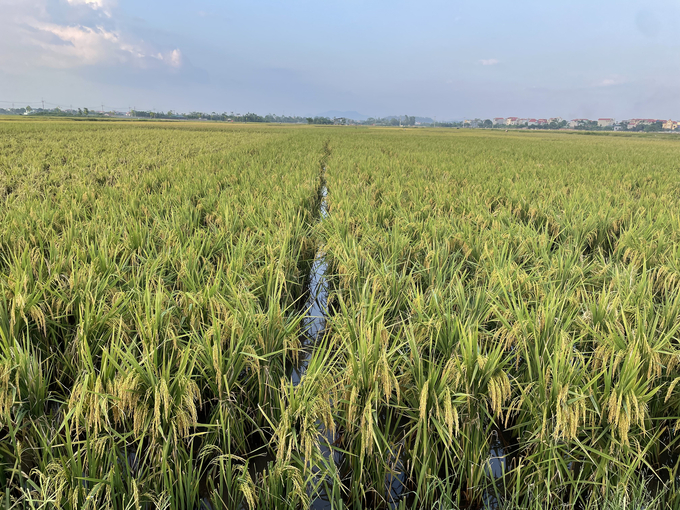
x: 314, y: 322
x: 314, y: 326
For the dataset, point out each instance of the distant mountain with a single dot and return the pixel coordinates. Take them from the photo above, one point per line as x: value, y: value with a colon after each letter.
x: 348, y: 115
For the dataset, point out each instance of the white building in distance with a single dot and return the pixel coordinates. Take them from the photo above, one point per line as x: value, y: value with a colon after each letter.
x: 605, y: 122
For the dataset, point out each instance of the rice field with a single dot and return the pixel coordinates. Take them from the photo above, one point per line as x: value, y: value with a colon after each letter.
x: 200, y: 316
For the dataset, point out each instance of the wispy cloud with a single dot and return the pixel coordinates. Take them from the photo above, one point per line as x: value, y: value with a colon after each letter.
x: 176, y: 58
x: 611, y: 81
x: 489, y: 62
x: 95, y: 4
x: 101, y: 5
x: 43, y: 42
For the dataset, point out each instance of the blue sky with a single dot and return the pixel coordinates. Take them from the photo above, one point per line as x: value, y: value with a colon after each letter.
x: 450, y: 59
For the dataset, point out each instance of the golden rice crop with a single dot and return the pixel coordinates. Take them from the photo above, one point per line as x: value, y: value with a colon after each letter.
x: 502, y: 318
x: 536, y: 270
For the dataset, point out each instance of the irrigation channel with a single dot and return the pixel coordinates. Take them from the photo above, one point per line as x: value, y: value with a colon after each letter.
x: 313, y: 327
x: 314, y: 322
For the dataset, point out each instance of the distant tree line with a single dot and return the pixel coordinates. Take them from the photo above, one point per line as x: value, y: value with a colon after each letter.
x: 551, y: 125
x: 223, y: 117
x: 647, y: 128
x: 53, y: 112
x: 404, y: 121
x: 592, y: 125
x: 12, y: 111
x: 318, y: 120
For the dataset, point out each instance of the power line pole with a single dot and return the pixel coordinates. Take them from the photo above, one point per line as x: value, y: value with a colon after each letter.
x: 43, y: 104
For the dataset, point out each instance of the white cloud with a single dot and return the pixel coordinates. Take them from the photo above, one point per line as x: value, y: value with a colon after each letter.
x: 611, y: 81
x: 105, y: 6
x: 176, y: 58
x: 95, y: 4
x: 74, y: 46
x: 607, y: 82
x: 489, y: 62
x: 31, y: 39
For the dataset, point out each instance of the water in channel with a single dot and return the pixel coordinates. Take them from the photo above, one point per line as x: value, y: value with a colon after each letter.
x: 314, y: 322
x: 313, y: 327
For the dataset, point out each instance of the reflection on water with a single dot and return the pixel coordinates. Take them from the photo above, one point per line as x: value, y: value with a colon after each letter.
x: 314, y: 322
x: 502, y: 451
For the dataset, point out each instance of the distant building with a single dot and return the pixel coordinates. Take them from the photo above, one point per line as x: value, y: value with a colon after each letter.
x: 499, y: 120
x: 557, y: 120
x: 541, y: 122
x: 605, y: 122
x: 532, y: 122
x: 670, y: 125
x: 634, y: 123
x: 511, y: 121
x: 574, y: 123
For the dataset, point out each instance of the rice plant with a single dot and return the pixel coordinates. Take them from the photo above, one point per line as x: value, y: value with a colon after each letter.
x: 501, y: 321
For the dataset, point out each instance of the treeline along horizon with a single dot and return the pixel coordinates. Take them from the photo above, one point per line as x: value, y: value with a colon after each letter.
x: 502, y: 318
